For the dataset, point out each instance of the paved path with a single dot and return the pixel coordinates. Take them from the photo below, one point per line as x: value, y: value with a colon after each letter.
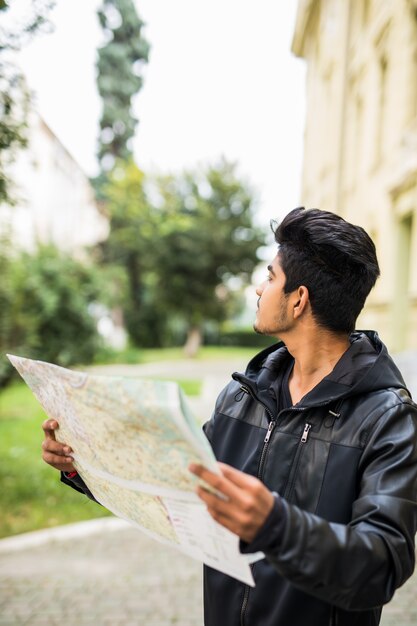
x: 109, y: 574
x: 112, y: 576
x: 106, y: 573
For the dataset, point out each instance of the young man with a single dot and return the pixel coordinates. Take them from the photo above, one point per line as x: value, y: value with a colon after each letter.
x: 318, y: 444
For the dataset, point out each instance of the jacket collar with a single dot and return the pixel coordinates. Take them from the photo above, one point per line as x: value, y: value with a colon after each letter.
x: 365, y: 366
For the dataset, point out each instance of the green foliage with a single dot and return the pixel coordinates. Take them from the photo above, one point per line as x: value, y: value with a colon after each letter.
x: 13, y: 113
x: 131, y: 246
x: 244, y: 338
x: 14, y: 98
x: 119, y: 78
x: 207, y: 243
x: 45, y: 309
x: 186, y: 255
x: 184, y: 252
x: 34, y: 21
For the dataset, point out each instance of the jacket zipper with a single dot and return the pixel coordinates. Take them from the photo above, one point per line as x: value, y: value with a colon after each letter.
x: 244, y: 605
x: 272, y: 423
x: 301, y: 442
x: 307, y: 427
x: 271, y: 426
x: 304, y: 437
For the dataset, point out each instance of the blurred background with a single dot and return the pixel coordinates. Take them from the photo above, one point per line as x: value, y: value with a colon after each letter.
x: 144, y: 148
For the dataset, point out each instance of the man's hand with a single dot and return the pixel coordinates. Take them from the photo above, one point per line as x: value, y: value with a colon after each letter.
x: 53, y: 452
x: 247, y: 501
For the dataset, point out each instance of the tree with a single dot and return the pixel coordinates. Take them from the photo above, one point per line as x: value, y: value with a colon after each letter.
x: 183, y: 252
x: 14, y: 98
x: 14, y: 104
x: 208, y: 243
x: 119, y: 78
x: 119, y: 183
x: 131, y: 246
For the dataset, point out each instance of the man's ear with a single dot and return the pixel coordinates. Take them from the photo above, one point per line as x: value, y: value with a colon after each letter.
x: 302, y: 300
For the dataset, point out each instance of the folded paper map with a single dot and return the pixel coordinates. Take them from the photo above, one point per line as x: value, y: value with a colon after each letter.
x: 133, y: 440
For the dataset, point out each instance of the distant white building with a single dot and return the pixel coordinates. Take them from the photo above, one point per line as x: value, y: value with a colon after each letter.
x: 56, y: 205
x: 55, y: 200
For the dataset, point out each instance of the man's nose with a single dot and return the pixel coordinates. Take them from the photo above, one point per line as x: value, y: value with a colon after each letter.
x: 260, y: 289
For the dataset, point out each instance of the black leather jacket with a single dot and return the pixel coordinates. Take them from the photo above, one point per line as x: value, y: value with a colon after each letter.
x: 340, y: 538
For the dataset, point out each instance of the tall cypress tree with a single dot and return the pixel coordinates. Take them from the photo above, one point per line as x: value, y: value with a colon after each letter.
x: 120, y: 61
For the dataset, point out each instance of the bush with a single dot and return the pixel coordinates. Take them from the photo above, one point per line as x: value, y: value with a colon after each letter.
x: 45, y: 309
x: 245, y: 338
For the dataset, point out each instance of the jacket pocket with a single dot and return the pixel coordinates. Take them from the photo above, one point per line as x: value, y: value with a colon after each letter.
x: 307, y: 472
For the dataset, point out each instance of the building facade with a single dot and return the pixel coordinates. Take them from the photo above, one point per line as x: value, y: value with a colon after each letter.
x: 360, y: 146
x: 55, y: 202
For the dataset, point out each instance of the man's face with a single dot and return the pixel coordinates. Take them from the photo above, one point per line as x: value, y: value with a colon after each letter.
x: 273, y: 314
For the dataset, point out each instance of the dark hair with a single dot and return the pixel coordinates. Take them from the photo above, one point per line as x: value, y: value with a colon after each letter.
x: 334, y: 259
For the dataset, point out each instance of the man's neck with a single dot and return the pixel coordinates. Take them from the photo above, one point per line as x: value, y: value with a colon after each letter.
x: 315, y: 355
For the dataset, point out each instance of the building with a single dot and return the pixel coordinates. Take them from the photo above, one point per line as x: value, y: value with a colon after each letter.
x: 55, y: 200
x: 360, y: 155
x: 55, y: 204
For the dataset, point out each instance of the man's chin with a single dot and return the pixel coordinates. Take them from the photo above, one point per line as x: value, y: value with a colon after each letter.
x: 257, y: 329
x: 265, y: 331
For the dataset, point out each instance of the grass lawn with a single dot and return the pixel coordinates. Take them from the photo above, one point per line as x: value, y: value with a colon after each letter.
x: 133, y: 355
x: 31, y: 495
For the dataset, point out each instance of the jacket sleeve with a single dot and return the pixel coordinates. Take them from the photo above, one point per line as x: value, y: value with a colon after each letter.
x: 78, y: 484
x: 357, y: 566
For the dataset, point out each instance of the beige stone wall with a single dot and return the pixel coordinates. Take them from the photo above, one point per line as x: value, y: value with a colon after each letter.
x: 360, y: 157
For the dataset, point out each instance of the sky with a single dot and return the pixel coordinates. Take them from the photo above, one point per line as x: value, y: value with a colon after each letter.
x: 221, y: 81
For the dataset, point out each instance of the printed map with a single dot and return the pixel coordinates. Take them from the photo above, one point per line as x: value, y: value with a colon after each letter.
x: 133, y: 440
